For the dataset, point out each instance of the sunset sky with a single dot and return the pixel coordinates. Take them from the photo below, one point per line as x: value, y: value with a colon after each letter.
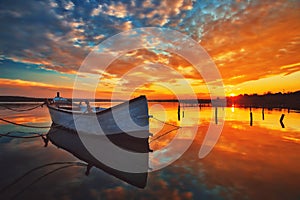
x: 254, y: 44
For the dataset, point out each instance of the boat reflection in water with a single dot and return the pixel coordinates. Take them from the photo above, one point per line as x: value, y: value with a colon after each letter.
x: 71, y: 142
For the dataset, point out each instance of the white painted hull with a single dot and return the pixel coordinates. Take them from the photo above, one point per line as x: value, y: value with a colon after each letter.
x: 130, y: 116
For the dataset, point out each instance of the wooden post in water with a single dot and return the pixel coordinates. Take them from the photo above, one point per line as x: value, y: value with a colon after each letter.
x: 251, y: 117
x: 263, y: 113
x: 178, y: 111
x: 216, y: 115
x: 281, y: 120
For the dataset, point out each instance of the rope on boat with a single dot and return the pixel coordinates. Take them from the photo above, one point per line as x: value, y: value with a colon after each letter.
x: 165, y: 122
x: 24, y: 125
x: 164, y: 134
x: 32, y: 126
x: 34, y: 135
x: 176, y: 128
x: 22, y: 110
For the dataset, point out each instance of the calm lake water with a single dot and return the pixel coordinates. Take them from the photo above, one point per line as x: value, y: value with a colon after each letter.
x: 261, y: 161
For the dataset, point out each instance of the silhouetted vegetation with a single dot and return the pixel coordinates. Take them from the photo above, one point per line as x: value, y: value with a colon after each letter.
x: 269, y: 100
x: 20, y: 99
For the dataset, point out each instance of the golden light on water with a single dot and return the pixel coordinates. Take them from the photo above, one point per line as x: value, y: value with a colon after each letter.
x: 232, y: 108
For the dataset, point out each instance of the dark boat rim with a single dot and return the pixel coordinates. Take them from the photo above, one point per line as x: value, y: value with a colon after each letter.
x: 142, y: 97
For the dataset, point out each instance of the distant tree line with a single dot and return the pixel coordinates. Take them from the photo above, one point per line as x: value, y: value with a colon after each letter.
x: 20, y: 99
x: 269, y: 100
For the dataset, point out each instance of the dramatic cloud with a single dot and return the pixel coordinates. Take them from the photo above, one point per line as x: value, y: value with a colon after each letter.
x: 30, y: 88
x: 257, y: 42
x: 248, y: 40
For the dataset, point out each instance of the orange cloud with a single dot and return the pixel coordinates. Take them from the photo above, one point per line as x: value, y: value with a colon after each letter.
x: 29, y: 88
x: 259, y: 42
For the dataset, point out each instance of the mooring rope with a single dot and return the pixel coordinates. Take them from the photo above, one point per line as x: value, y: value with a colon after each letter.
x: 41, y: 177
x: 40, y: 167
x: 34, y: 135
x: 165, y: 122
x: 65, y: 165
x: 164, y: 134
x: 51, y: 126
x: 22, y: 110
x: 24, y: 125
x: 161, y: 121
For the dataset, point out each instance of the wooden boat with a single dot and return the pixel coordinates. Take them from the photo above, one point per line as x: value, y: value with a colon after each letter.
x: 72, y: 143
x: 129, y: 116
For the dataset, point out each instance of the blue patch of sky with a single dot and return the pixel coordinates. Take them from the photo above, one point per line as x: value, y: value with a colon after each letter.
x: 30, y: 32
x: 202, y: 14
x: 28, y: 72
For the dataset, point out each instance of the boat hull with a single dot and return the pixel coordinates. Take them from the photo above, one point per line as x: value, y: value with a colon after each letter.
x: 129, y: 116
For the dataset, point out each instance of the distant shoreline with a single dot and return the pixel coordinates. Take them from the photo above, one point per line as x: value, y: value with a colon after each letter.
x: 289, y: 100
x: 20, y: 99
